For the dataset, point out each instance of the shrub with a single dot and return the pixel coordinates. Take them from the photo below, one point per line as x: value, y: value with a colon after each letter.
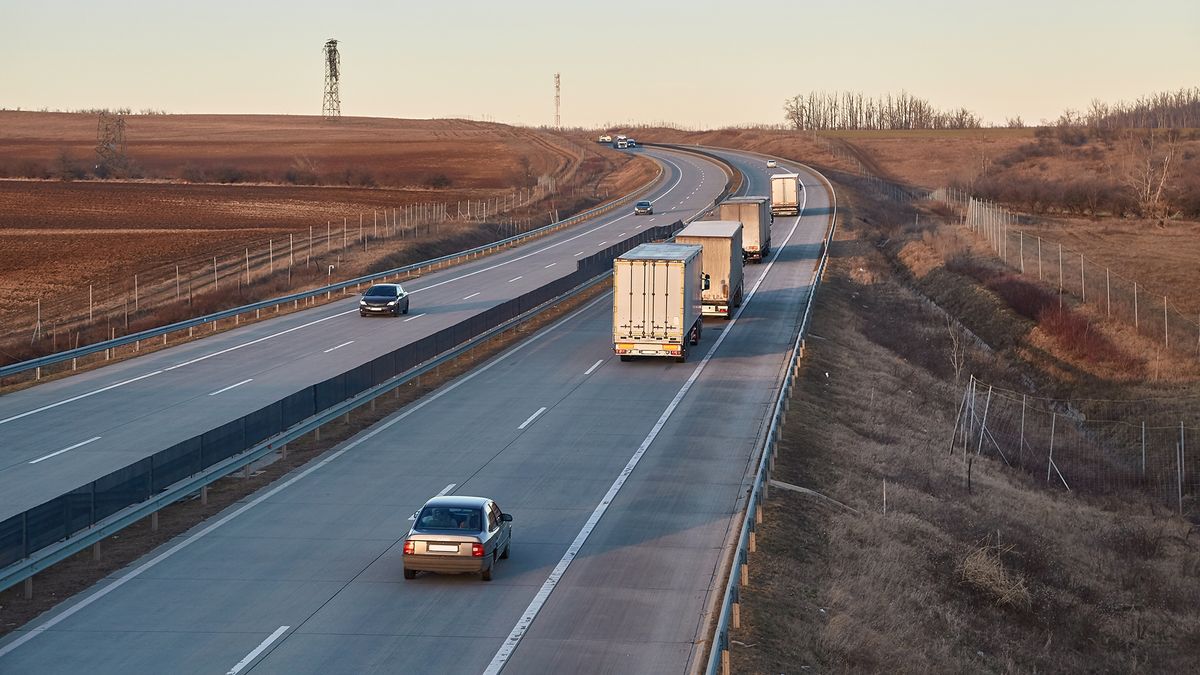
x: 438, y: 181
x: 1024, y: 297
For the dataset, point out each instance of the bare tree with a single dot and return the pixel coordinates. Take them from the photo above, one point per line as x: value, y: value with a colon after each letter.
x: 958, y: 346
x: 1149, y: 168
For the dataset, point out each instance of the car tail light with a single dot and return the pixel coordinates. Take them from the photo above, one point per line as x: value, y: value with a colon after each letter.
x: 476, y: 550
x: 409, y: 548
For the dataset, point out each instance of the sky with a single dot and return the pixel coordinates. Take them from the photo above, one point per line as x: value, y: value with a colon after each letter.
x: 697, y: 64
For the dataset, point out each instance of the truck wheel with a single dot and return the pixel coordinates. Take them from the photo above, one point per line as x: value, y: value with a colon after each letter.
x: 682, y: 358
x: 626, y: 358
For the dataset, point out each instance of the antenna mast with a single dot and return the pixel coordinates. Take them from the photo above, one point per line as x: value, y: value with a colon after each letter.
x: 331, y: 107
x: 557, y: 92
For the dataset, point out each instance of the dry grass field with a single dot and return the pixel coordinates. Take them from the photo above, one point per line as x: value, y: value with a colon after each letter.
x: 1001, y: 574
x: 57, y: 236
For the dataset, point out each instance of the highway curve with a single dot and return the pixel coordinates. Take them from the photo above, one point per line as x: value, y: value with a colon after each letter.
x: 625, y: 481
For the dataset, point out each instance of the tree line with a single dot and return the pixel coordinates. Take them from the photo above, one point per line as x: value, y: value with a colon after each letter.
x: 1161, y: 110
x: 821, y: 111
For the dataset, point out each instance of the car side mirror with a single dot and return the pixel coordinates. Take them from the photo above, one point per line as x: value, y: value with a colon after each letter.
x: 706, y: 283
x: 506, y: 517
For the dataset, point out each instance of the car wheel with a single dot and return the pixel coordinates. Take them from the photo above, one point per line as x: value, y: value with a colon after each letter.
x: 405, y: 309
x: 504, y: 556
x: 410, y: 574
x: 486, y: 575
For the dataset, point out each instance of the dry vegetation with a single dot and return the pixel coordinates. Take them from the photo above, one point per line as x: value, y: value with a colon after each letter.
x: 1001, y: 575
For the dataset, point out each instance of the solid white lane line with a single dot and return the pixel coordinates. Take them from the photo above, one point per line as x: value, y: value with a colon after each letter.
x: 76, y: 398
x: 532, y: 417
x: 348, y: 342
x: 54, y: 454
x: 261, y: 339
x: 535, y: 606
x: 415, y: 317
x: 594, y: 366
x: 262, y: 646
x: 472, y: 295
x: 514, y: 279
x: 221, y: 391
x: 550, y: 265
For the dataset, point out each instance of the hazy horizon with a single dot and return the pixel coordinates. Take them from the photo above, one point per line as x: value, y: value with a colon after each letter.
x: 626, y: 64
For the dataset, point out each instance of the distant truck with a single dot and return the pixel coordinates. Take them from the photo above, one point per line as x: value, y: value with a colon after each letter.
x: 785, y: 194
x: 722, y: 263
x: 754, y: 213
x: 657, y: 301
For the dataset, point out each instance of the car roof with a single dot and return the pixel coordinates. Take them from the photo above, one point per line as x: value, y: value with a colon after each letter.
x: 385, y: 286
x: 458, y: 500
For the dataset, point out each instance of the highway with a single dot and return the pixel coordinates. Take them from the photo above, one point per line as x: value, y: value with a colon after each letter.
x: 61, y: 435
x: 625, y: 481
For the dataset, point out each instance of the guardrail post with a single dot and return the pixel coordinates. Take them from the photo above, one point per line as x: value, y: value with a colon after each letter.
x: 744, y: 573
x: 317, y: 434
x: 725, y: 658
x: 753, y: 543
x: 96, y: 551
x: 37, y: 375
x: 29, y: 588
x: 283, y: 451
x: 204, y: 495
x: 735, y: 610
x: 154, y: 522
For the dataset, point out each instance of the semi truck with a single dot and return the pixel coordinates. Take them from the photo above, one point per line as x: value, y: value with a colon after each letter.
x: 754, y: 213
x: 785, y: 194
x: 657, y: 301
x: 722, y: 263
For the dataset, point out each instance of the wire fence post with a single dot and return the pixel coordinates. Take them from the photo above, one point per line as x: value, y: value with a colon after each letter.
x: 1060, y: 277
x: 1166, y: 332
x: 1107, y: 293
x: 1143, y: 449
x: 1082, y: 281
x: 135, y: 293
x: 1021, y: 249
x: 215, y: 284
x: 1039, y: 258
x: 1179, y: 468
x: 1050, y: 462
x: 1135, y: 307
x: 89, y: 303
x: 1021, y: 447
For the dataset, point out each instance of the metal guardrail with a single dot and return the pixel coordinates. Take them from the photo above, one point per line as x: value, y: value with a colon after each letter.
x: 718, y: 660
x: 59, y: 357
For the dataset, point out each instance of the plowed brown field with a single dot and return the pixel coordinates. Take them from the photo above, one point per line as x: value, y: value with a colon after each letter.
x: 56, y: 237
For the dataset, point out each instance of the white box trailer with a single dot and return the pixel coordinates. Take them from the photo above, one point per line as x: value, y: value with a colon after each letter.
x: 754, y: 213
x: 722, y: 263
x: 785, y: 194
x: 656, y: 301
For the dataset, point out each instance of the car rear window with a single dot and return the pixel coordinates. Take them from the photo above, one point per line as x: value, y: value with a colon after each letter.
x: 382, y: 291
x: 450, y: 518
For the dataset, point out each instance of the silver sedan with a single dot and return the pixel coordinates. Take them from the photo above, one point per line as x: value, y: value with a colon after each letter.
x: 455, y: 535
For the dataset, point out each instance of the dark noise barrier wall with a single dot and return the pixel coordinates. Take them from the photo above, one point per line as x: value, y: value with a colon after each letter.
x: 64, y: 516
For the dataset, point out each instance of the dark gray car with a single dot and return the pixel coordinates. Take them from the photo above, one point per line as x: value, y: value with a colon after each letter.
x: 456, y: 535
x: 384, y: 299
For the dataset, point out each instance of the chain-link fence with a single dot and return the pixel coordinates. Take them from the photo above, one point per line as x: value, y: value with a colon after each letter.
x: 1092, y: 446
x: 1110, y: 294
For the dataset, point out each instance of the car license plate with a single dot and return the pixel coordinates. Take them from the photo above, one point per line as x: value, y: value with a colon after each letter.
x: 444, y: 548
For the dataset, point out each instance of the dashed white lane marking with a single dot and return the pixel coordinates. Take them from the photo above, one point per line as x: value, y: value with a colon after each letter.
x: 594, y: 366
x: 472, y: 295
x: 550, y: 265
x: 222, y: 391
x: 262, y: 646
x: 415, y: 317
x: 579, y: 254
x: 55, y: 454
x: 348, y: 342
x: 532, y: 417
x: 603, y: 243
x: 445, y: 491
x: 515, y: 278
x: 76, y: 398
x: 261, y: 339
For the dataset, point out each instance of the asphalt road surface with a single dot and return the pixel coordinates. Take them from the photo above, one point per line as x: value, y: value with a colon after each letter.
x: 625, y: 481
